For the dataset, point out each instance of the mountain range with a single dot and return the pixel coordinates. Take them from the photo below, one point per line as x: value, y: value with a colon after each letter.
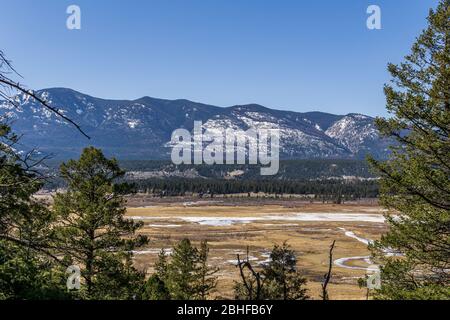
x: 141, y: 129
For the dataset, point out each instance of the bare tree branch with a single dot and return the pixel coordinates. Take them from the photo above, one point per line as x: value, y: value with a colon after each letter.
x: 42, y: 102
x: 246, y: 264
x: 8, y: 83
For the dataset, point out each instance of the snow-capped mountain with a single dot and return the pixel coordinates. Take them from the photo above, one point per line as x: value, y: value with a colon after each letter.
x: 141, y: 129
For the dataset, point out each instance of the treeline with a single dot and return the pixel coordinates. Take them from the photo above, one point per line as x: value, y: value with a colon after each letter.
x: 300, y: 169
x: 318, y: 189
x: 289, y: 169
x: 214, y: 184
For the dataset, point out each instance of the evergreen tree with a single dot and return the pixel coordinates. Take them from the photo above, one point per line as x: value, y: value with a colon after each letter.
x: 182, y: 275
x: 282, y: 280
x: 186, y: 277
x: 415, y: 181
x: 28, y: 269
x: 27, y: 274
x: 161, y: 265
x: 155, y: 289
x: 92, y: 230
x: 23, y: 220
x: 206, y: 280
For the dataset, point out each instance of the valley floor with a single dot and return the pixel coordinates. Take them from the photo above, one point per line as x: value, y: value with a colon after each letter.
x: 232, y: 225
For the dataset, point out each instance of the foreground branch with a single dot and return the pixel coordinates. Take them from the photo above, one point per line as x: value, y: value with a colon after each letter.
x: 30, y: 93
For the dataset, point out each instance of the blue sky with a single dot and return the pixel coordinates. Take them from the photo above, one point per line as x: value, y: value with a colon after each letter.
x: 293, y: 55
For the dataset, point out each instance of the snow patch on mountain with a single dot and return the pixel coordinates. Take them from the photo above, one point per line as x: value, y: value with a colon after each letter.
x: 352, y: 131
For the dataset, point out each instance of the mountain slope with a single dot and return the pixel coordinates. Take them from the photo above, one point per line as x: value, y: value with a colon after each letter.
x: 141, y: 129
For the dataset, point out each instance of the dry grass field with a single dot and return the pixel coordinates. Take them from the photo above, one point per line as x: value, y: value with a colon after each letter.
x: 231, y: 225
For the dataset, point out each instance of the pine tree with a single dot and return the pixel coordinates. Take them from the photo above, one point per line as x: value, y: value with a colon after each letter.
x: 161, y: 265
x: 182, y: 276
x: 28, y: 269
x: 187, y: 276
x: 155, y: 289
x: 282, y: 280
x: 23, y: 219
x: 26, y: 274
x: 206, y: 282
x: 415, y: 180
x: 92, y: 230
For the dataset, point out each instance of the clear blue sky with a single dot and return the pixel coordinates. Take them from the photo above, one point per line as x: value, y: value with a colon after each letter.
x: 294, y: 55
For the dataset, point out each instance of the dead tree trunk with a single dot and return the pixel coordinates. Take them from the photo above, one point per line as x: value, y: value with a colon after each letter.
x: 248, y: 285
x: 327, y: 276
